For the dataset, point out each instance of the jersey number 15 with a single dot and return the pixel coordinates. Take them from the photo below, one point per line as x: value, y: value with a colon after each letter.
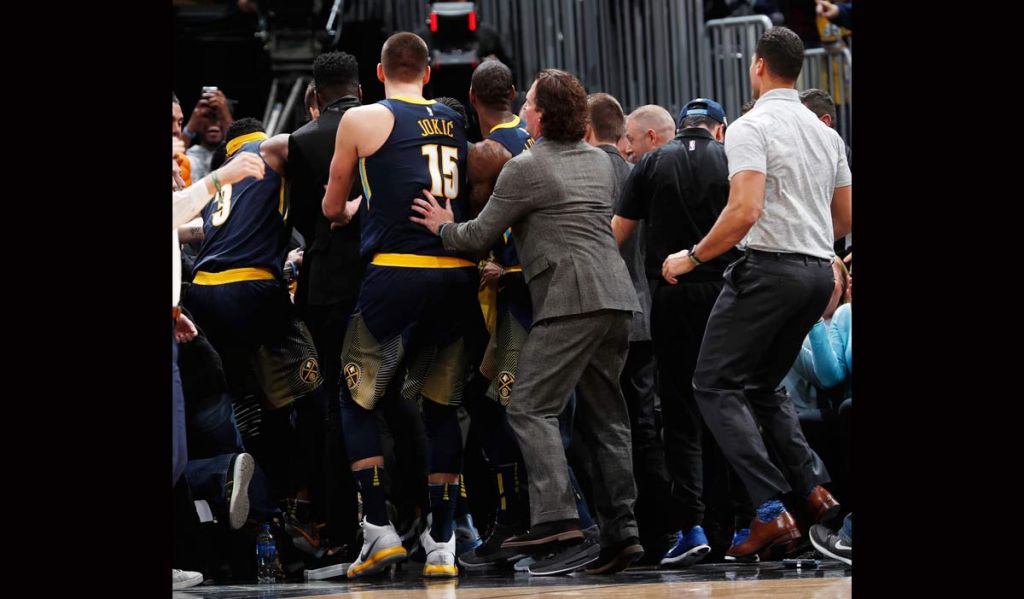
x: 444, y: 170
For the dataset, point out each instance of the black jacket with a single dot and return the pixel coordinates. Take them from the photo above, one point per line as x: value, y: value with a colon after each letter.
x: 331, y: 267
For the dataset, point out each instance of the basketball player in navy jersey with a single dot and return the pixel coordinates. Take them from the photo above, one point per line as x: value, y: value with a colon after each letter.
x: 238, y: 296
x: 416, y: 300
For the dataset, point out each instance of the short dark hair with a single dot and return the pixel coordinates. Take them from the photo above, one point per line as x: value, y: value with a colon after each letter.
x: 747, y: 106
x: 243, y: 127
x: 698, y: 120
x: 492, y: 84
x: 404, y: 57
x: 782, y: 51
x: 606, y: 116
x: 335, y: 74
x: 819, y: 102
x: 454, y: 105
x: 563, y: 104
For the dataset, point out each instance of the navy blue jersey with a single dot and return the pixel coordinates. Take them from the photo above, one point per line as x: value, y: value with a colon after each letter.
x: 426, y: 150
x: 244, y: 227
x: 516, y: 140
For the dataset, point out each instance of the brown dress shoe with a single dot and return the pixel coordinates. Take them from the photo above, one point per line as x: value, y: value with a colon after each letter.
x: 821, y: 505
x: 780, y: 532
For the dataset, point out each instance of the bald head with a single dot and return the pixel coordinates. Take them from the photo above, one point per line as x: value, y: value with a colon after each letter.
x: 648, y: 128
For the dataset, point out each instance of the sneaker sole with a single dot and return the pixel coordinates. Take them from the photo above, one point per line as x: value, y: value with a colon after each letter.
x: 377, y: 562
x: 440, y: 571
x: 238, y: 507
x: 746, y: 559
x: 622, y: 561
x: 689, y: 558
x: 570, y: 535
x: 575, y: 563
x: 824, y: 551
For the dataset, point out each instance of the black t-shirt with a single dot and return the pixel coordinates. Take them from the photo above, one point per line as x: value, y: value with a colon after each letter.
x: 679, y: 190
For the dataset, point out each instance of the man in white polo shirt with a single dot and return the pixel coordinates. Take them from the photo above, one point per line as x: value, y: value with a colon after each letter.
x: 789, y: 199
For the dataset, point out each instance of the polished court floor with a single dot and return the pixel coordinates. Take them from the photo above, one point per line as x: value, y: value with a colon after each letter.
x: 711, y: 581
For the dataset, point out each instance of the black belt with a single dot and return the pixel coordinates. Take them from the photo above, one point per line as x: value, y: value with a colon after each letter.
x: 791, y: 257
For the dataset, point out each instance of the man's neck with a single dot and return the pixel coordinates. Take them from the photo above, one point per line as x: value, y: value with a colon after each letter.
x: 398, y: 88
x: 772, y: 84
x: 489, y: 119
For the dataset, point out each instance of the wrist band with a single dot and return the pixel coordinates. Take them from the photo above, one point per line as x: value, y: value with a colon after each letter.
x: 216, y: 181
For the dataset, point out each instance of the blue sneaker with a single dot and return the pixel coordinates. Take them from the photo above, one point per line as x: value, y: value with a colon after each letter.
x: 467, y: 537
x: 738, y: 538
x: 689, y: 549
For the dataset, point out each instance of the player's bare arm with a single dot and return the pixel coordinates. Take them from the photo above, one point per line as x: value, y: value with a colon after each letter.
x: 362, y: 131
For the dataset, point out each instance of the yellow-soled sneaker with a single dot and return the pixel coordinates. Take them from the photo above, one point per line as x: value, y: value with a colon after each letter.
x: 440, y: 562
x: 381, y: 547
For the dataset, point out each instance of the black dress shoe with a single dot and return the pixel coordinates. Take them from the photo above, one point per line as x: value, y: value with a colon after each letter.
x: 546, y: 532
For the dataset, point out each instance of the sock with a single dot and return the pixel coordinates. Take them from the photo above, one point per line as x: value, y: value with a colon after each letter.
x: 462, y: 504
x: 370, y: 487
x: 510, y: 508
x: 770, y: 510
x: 443, y: 498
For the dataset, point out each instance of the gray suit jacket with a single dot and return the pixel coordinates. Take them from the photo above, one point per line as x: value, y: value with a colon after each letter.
x: 558, y: 200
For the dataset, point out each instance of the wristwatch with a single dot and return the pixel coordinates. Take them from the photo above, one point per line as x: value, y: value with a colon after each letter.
x: 693, y: 258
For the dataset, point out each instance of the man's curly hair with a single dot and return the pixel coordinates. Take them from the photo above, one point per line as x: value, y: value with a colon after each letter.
x: 562, y: 101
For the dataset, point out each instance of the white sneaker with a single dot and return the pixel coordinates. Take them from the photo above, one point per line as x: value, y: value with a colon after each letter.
x: 238, y: 501
x: 183, y: 579
x: 440, y: 561
x: 381, y: 546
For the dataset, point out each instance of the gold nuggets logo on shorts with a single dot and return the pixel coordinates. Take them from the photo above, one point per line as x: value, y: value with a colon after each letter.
x: 310, y: 371
x: 505, y: 380
x: 352, y: 375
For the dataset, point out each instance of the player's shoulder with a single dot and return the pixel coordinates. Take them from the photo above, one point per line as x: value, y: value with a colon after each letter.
x: 359, y: 113
x: 489, y: 148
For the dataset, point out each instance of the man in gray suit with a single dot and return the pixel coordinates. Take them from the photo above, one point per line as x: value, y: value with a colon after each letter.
x: 558, y: 200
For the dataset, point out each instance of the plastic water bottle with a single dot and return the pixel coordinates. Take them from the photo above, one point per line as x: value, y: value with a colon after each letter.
x: 268, y: 566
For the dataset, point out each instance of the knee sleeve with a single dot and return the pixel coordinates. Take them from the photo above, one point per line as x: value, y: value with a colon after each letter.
x: 359, y: 427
